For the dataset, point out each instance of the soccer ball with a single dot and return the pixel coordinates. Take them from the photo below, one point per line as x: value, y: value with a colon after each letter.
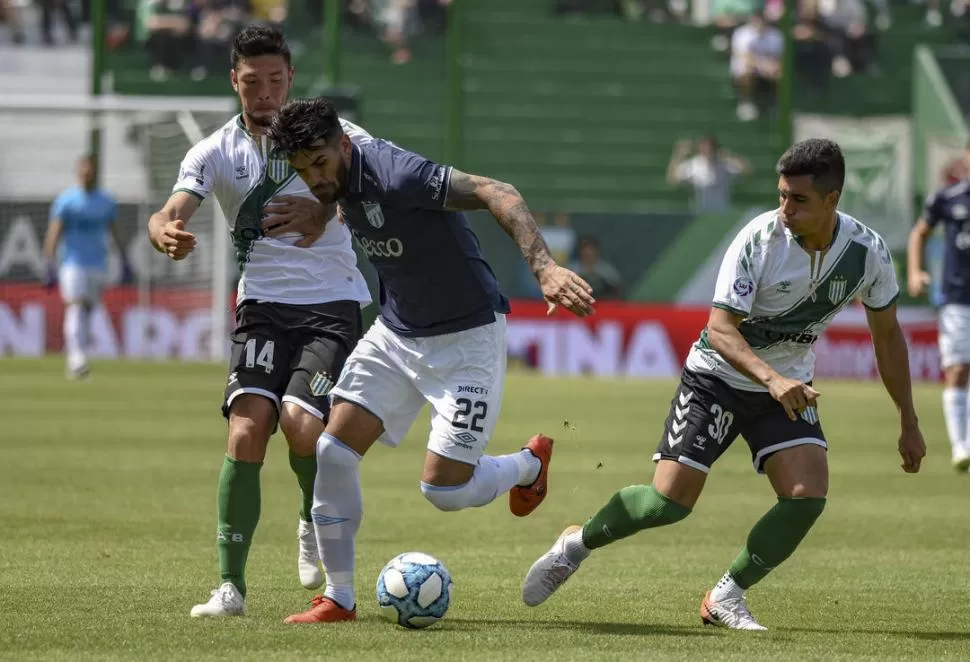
x: 414, y: 590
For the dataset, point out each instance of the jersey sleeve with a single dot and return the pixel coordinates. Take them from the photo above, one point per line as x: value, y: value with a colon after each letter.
x: 58, y: 206
x: 412, y: 181
x: 737, y: 279
x: 197, y: 172
x: 933, y: 209
x: 882, y: 289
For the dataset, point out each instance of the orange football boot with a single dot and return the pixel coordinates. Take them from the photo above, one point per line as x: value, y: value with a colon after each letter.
x: 324, y: 610
x: 523, y: 499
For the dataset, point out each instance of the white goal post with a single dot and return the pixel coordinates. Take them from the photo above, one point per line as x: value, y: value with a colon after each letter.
x: 177, y: 310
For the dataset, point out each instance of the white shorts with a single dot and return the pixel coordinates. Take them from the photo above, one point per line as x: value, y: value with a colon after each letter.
x: 954, y: 335
x: 460, y: 374
x: 81, y: 284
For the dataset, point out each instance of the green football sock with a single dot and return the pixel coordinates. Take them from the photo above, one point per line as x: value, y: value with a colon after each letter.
x: 774, y: 538
x: 305, y: 468
x: 632, y: 509
x: 238, y: 508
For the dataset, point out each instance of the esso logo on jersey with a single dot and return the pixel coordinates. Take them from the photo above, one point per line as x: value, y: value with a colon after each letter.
x: 392, y: 247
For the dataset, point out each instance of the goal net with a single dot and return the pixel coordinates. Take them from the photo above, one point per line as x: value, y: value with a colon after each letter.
x: 171, y: 310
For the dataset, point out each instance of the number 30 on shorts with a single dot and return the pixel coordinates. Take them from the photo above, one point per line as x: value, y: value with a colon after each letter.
x: 465, y: 408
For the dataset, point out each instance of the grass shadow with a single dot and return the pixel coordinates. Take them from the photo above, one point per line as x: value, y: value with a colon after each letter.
x: 588, y: 627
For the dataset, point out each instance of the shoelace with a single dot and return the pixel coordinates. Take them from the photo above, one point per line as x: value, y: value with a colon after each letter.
x: 224, y: 593
x: 559, y: 572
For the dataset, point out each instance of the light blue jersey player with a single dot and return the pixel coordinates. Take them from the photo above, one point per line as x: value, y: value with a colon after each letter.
x: 949, y: 208
x: 440, y: 337
x: 80, y: 219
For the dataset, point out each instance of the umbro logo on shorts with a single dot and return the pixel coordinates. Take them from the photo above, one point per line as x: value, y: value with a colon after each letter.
x: 466, y: 437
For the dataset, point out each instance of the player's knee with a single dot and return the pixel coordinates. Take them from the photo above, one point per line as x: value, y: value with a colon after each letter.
x: 301, y: 429
x: 448, y: 499
x: 251, y: 421
x: 805, y: 509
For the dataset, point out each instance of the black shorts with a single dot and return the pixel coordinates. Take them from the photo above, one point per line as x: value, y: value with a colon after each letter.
x: 291, y: 353
x: 706, y: 416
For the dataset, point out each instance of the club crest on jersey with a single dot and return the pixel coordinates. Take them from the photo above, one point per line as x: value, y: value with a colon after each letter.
x: 743, y: 286
x: 320, y: 384
x: 276, y: 169
x: 374, y: 214
x: 810, y: 415
x: 837, y: 289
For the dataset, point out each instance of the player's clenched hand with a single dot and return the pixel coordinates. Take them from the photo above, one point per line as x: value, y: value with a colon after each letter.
x: 175, y: 241
x: 912, y: 448
x: 917, y: 283
x: 290, y: 214
x: 561, y: 287
x: 793, y: 395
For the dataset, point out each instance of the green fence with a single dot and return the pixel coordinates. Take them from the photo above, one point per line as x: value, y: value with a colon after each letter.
x: 939, y: 124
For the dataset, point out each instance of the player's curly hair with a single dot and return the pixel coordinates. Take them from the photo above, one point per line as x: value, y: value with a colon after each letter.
x: 302, y: 122
x: 820, y: 158
x: 256, y: 40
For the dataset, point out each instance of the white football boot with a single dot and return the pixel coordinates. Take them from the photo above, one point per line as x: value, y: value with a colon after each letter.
x: 308, y: 562
x: 729, y: 613
x: 961, y: 459
x: 549, y: 573
x: 225, y: 601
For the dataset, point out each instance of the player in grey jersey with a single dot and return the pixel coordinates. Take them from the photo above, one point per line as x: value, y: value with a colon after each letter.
x: 783, y: 279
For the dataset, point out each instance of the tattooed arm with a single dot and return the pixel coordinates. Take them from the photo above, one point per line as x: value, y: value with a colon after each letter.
x: 467, y: 192
x: 560, y: 286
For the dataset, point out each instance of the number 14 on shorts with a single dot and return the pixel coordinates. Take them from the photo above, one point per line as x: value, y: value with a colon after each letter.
x: 262, y: 357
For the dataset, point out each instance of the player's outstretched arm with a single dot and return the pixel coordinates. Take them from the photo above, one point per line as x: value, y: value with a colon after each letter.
x: 892, y: 359
x: 725, y: 338
x: 560, y: 286
x: 166, y: 227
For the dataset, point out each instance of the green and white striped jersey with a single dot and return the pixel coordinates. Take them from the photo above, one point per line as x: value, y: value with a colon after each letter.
x: 244, y: 173
x: 788, y: 296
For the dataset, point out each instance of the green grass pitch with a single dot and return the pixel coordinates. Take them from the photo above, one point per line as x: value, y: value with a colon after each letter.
x: 107, y: 507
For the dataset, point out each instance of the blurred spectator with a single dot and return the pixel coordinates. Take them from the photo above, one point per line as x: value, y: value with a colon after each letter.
x: 217, y: 22
x: 711, y: 172
x: 853, y: 39
x: 397, y: 20
x: 47, y: 10
x: 813, y: 52
x: 600, y: 274
x: 164, y: 27
x: 756, y: 50
x: 10, y: 16
x: 727, y: 16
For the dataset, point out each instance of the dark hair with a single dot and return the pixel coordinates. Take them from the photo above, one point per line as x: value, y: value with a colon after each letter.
x: 821, y: 159
x: 302, y: 122
x: 256, y: 40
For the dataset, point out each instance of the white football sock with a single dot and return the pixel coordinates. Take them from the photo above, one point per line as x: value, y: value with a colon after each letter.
x: 529, y: 466
x: 74, y: 322
x: 337, y: 511
x: 955, y: 415
x: 574, y: 549
x: 494, y: 475
x: 726, y: 589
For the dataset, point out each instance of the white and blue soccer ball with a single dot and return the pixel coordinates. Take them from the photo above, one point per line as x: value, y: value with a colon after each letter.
x: 414, y: 590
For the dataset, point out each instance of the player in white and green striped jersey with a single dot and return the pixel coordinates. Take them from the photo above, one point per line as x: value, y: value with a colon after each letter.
x: 784, y: 278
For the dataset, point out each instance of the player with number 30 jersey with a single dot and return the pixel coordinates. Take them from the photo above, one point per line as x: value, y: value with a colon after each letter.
x: 783, y: 278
